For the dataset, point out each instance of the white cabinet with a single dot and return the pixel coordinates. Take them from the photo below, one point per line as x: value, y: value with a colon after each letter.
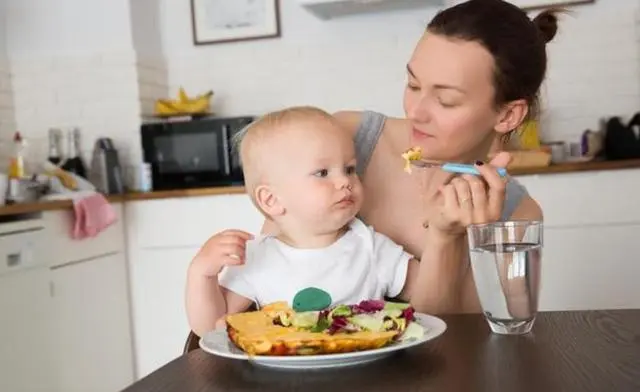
x: 25, y: 356
x: 90, y: 327
x: 163, y: 236
x: 594, y: 267
x: 64, y: 249
x: 160, y: 321
x: 188, y: 221
x: 591, y: 238
x: 588, y: 198
x: 90, y: 314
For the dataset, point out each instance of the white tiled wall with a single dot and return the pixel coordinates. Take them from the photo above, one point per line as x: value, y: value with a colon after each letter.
x: 358, y: 62
x: 350, y: 63
x: 355, y: 62
x: 152, y: 83
x: 594, y: 68
x: 98, y: 93
x: 7, y: 118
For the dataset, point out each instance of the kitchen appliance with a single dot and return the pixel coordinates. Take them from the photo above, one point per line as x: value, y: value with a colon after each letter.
x: 622, y: 141
x: 193, y: 153
x: 106, y: 171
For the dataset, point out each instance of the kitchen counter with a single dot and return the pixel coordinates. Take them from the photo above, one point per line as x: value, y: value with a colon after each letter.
x: 27, y: 208
x: 227, y: 190
x: 49, y: 205
x: 570, y: 167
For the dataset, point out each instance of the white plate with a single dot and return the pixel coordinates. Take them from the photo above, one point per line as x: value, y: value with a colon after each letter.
x: 217, y: 342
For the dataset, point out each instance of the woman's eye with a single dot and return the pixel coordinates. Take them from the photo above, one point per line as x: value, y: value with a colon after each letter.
x: 446, y: 104
x: 322, y: 173
x: 413, y: 87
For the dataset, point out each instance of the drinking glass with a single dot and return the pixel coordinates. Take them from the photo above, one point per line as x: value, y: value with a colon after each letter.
x: 505, y: 260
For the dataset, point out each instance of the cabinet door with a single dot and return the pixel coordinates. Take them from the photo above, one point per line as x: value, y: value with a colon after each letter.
x: 25, y: 357
x: 193, y: 220
x: 91, y: 325
x: 595, y: 267
x: 159, y: 315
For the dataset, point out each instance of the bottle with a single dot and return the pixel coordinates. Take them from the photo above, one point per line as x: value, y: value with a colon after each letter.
x: 54, y: 146
x: 16, y: 169
x: 74, y: 163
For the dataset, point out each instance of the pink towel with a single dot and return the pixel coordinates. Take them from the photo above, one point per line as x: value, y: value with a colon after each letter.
x: 93, y: 214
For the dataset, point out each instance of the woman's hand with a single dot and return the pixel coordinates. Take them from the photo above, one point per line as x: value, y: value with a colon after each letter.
x: 469, y: 199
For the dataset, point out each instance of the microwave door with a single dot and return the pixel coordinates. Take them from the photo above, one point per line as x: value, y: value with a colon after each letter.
x: 191, y: 158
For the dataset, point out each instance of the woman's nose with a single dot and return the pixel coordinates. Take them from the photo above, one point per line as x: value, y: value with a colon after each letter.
x: 419, y: 110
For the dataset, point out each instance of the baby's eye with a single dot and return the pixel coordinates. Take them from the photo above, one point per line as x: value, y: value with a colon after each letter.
x: 351, y: 169
x: 322, y: 173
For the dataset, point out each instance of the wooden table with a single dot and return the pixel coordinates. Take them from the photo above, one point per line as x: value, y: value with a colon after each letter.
x: 566, y: 351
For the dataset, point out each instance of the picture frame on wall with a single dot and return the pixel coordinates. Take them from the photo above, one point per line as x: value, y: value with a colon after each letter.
x: 222, y: 21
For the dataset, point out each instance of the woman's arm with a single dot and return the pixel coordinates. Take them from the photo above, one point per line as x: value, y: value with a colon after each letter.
x: 435, y: 283
x: 349, y: 120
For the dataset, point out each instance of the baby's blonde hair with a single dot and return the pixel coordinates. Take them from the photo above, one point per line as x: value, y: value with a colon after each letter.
x: 253, y: 141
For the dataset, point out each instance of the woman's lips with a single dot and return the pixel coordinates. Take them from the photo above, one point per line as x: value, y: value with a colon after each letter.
x: 418, y: 134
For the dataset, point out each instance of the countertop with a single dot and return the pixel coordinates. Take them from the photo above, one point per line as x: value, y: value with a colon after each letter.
x: 138, y: 196
x: 571, y: 167
x: 26, y: 208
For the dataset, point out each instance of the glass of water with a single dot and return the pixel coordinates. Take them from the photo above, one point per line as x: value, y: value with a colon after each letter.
x: 505, y: 260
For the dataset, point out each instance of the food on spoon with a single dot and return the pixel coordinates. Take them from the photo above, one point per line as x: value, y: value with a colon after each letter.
x: 279, y: 330
x: 412, y: 154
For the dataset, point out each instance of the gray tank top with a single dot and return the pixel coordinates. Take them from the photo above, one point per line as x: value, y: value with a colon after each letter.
x: 367, y: 137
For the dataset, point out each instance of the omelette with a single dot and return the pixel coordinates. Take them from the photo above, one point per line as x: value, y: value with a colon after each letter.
x: 412, y: 154
x: 278, y: 330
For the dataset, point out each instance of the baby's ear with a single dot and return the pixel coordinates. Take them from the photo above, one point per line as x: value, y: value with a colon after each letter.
x: 268, y: 201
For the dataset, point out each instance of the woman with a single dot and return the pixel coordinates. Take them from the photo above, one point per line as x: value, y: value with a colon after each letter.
x: 473, y: 76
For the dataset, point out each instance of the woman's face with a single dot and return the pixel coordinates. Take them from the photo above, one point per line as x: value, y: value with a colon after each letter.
x: 449, y: 98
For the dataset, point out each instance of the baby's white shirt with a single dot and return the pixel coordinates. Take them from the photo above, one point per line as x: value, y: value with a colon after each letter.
x: 362, y: 264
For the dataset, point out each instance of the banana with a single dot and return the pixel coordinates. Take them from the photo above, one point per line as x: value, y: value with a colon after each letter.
x: 182, y: 96
x: 184, y: 105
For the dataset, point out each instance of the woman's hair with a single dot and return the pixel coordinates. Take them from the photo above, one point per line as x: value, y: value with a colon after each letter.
x: 517, y: 43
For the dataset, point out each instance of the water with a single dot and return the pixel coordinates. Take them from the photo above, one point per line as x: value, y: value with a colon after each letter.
x: 507, y: 278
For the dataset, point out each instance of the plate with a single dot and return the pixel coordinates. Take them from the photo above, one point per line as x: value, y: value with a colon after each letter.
x: 217, y: 343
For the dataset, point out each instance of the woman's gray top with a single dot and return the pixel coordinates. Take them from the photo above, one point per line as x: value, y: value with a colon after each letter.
x: 367, y: 137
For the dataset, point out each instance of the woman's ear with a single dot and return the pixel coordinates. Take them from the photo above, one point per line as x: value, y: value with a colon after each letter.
x: 268, y: 201
x: 511, y: 116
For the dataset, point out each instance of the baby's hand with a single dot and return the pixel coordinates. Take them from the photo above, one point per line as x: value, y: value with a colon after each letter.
x: 225, y: 248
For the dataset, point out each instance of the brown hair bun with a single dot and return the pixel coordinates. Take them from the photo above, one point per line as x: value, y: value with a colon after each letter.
x: 547, y: 24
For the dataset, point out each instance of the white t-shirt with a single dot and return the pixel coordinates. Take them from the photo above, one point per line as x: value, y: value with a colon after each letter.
x: 362, y: 264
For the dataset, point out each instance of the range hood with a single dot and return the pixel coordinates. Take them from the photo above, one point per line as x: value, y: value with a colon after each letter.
x: 328, y: 9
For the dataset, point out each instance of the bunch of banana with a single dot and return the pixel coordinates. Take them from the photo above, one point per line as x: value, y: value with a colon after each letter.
x: 184, y: 105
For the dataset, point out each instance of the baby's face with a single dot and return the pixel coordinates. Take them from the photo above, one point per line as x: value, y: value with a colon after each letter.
x: 315, y: 176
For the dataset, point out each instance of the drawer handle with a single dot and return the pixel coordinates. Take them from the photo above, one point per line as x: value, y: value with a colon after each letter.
x: 14, y: 259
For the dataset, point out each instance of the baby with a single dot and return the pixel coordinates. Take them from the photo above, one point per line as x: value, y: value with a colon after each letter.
x: 300, y: 172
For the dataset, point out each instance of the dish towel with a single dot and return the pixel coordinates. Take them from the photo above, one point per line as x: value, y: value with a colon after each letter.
x: 93, y: 214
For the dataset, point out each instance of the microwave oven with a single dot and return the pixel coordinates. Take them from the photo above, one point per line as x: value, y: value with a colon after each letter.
x: 194, y: 153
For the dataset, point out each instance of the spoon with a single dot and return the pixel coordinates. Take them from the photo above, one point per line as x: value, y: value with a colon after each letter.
x: 450, y: 167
